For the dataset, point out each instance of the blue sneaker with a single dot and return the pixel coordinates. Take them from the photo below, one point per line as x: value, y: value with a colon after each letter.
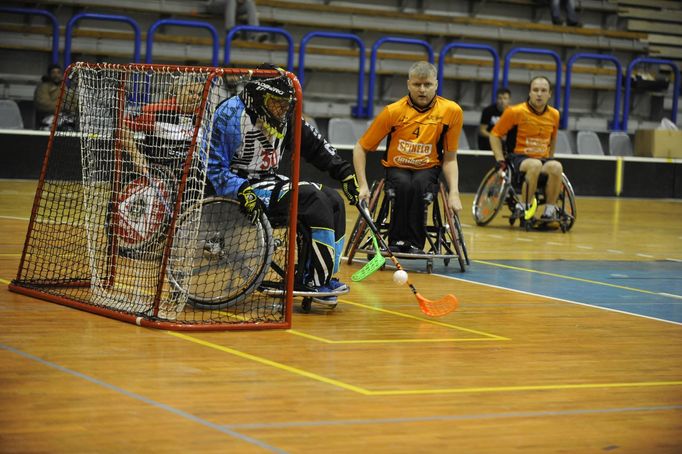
x: 330, y: 300
x: 336, y: 285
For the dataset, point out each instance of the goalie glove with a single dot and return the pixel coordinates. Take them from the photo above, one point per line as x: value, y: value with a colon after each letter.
x: 249, y: 202
x: 351, y: 189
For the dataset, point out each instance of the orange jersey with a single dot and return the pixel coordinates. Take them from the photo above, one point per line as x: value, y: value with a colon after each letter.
x: 534, y: 131
x: 416, y: 139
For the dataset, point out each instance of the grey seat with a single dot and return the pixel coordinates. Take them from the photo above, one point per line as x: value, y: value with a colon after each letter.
x: 10, y: 115
x: 620, y: 144
x: 589, y: 143
x: 344, y: 132
x: 463, y: 141
x: 563, y: 143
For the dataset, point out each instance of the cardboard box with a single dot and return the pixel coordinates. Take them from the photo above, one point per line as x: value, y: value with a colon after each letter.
x: 658, y: 143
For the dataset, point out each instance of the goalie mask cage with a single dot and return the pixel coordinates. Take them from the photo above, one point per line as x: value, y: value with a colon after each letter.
x: 121, y: 225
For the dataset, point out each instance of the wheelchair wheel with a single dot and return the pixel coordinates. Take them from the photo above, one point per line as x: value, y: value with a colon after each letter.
x: 455, y: 232
x: 360, y: 227
x: 566, y: 205
x: 231, y: 255
x: 142, y: 213
x: 490, y: 197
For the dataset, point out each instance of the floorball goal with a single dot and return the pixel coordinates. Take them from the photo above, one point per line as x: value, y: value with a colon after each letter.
x: 123, y: 223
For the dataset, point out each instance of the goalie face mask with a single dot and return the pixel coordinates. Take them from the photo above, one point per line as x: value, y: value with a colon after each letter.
x: 270, y: 100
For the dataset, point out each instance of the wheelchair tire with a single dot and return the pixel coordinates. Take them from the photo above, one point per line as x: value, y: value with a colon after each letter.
x: 490, y: 196
x: 454, y: 230
x: 231, y: 258
x: 360, y: 227
x: 143, y: 211
x: 566, y: 205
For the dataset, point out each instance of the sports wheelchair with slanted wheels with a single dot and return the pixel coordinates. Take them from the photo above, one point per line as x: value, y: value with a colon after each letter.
x: 234, y: 258
x: 497, y: 190
x: 443, y: 236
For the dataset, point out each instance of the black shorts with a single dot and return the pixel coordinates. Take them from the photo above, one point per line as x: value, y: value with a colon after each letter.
x: 515, y: 161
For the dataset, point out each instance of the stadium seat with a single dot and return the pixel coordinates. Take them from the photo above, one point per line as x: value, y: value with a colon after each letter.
x: 563, y: 143
x: 463, y: 141
x: 589, y: 143
x: 620, y: 144
x: 344, y: 132
x: 10, y: 115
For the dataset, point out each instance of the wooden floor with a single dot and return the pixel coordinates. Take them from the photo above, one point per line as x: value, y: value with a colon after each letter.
x: 507, y: 372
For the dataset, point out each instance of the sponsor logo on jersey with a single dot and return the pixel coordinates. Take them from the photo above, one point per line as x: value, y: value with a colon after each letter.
x: 419, y: 149
x: 405, y: 161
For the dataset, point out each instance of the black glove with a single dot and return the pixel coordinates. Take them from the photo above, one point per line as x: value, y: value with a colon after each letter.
x: 351, y: 189
x: 501, y: 165
x: 249, y: 202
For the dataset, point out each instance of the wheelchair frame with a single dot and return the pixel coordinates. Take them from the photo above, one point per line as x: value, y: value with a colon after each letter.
x: 496, y: 190
x: 444, y: 239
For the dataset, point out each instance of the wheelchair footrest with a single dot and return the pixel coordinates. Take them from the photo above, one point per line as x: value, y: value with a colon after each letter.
x: 405, y: 255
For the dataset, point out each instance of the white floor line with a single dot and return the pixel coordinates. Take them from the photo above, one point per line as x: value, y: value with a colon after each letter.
x: 559, y: 299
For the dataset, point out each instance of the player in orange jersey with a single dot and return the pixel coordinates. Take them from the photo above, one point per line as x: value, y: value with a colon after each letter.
x: 536, y: 124
x: 422, y: 132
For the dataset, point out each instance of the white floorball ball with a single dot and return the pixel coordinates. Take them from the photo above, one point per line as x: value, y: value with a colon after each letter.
x: 400, y: 277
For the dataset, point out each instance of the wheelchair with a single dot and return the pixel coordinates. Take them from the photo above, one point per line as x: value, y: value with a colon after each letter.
x: 443, y: 236
x: 497, y: 190
x: 235, y: 259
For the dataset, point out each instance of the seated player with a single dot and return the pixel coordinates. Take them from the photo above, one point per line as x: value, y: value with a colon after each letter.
x: 423, y: 132
x: 535, y: 125
x: 251, y: 135
x: 166, y: 127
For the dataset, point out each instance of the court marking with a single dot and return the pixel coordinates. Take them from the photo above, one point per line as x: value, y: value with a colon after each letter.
x: 143, y: 399
x: 470, y: 417
x: 404, y: 392
x: 564, y: 300
x: 571, y: 278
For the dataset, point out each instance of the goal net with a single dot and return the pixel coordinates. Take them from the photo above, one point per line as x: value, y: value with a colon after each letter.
x: 124, y: 223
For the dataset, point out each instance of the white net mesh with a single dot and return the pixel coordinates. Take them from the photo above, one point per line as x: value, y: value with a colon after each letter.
x: 121, y: 222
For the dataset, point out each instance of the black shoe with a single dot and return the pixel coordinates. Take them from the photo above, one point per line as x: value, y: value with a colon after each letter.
x: 575, y: 24
x: 414, y: 250
x: 397, y: 246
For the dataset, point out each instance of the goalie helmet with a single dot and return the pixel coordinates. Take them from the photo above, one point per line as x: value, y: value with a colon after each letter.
x: 270, y: 100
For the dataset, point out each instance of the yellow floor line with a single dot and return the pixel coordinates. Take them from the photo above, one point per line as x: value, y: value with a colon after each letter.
x: 491, y: 389
x: 4, y: 281
x: 276, y: 365
x: 579, y: 279
x: 406, y: 392
x: 424, y: 320
x: 385, y: 341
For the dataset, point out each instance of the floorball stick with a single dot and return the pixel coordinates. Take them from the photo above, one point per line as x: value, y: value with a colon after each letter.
x: 437, y: 308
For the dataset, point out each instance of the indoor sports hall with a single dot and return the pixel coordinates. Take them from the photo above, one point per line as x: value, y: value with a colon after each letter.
x: 564, y: 340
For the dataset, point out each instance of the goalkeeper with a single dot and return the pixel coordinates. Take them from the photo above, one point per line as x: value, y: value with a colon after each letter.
x: 251, y: 135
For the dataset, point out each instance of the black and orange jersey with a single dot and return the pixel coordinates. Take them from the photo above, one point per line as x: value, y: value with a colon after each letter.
x: 534, y: 132
x: 416, y: 138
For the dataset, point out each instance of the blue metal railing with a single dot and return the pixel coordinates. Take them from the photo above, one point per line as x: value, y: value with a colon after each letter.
x: 615, y: 124
x: 528, y: 50
x: 628, y: 86
x: 490, y: 49
x: 369, y: 109
x: 53, y: 21
x: 182, y: 23
x: 359, y: 109
x: 257, y: 28
x: 103, y: 17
